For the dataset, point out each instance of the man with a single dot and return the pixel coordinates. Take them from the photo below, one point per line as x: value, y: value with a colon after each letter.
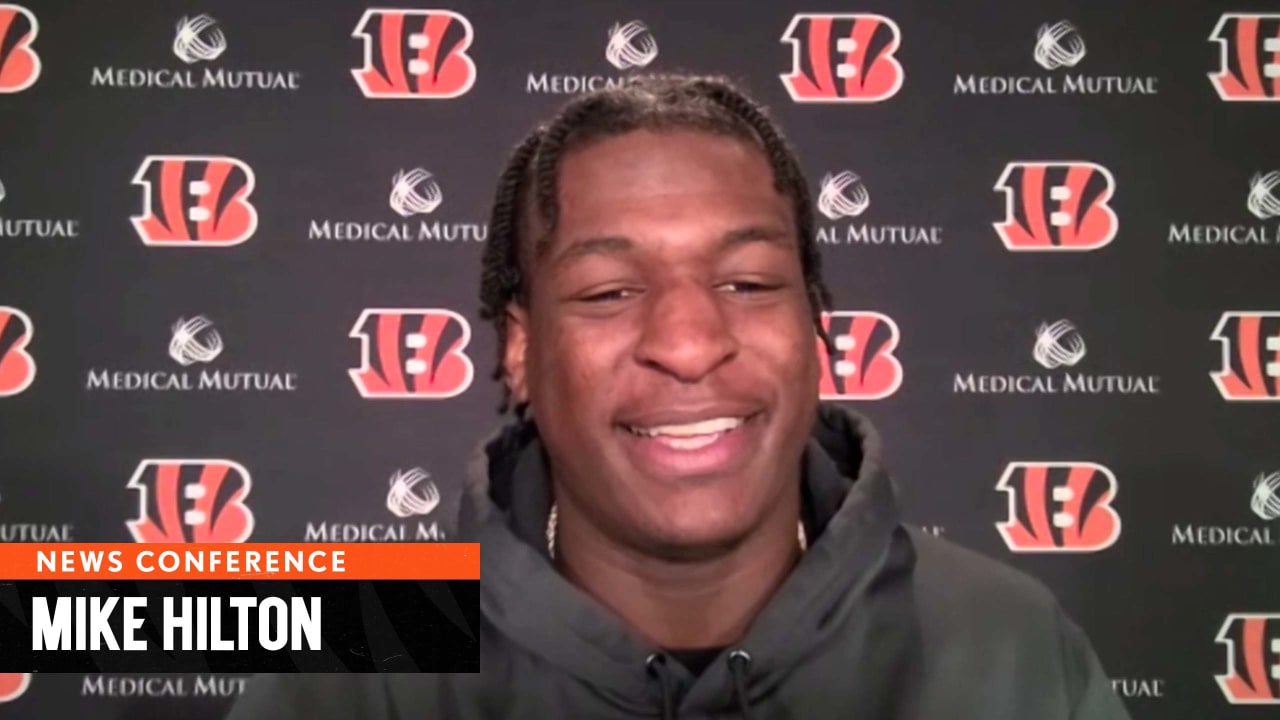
x: 674, y: 526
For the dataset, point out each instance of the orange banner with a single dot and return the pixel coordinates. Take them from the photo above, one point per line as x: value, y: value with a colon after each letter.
x: 239, y: 561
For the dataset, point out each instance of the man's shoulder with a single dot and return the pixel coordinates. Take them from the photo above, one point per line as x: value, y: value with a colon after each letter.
x: 956, y: 586
x: 999, y: 627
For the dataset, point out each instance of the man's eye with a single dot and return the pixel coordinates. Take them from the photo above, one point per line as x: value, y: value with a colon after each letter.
x: 749, y: 287
x: 608, y: 295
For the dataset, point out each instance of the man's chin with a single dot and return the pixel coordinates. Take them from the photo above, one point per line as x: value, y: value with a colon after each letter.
x: 692, y: 542
x: 681, y: 529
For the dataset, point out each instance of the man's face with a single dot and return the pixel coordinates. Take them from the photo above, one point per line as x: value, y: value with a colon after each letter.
x: 668, y: 350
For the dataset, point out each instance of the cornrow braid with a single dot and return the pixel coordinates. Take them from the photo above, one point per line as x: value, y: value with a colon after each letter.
x: 529, y: 183
x: 785, y: 165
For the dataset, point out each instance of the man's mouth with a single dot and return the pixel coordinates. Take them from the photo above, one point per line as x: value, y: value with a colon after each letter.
x: 681, y: 445
x: 690, y: 436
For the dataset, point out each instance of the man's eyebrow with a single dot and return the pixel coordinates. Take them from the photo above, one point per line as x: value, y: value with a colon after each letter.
x: 607, y: 245
x: 615, y: 244
x: 756, y: 233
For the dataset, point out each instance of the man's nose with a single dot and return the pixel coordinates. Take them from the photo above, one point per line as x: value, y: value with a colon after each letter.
x: 687, y: 332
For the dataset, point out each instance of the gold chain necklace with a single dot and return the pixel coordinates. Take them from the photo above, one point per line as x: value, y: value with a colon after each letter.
x: 551, y: 533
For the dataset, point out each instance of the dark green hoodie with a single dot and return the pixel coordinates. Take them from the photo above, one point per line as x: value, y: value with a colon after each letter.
x: 876, y: 622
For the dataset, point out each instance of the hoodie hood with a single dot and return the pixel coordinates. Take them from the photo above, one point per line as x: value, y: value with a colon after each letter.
x: 852, y: 517
x: 875, y: 621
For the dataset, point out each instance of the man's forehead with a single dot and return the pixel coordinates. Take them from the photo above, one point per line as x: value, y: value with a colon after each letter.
x: 615, y: 190
x: 713, y: 230
x: 670, y: 161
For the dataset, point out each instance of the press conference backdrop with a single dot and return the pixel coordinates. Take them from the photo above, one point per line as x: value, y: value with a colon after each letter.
x: 240, y: 249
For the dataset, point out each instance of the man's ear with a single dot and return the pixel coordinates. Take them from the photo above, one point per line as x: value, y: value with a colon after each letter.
x: 517, y: 347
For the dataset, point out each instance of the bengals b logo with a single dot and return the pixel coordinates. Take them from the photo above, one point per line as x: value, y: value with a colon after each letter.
x: 19, y: 64
x: 1253, y: 658
x: 1250, y: 356
x: 1057, y: 206
x: 845, y: 58
x: 418, y: 54
x: 1250, y: 67
x: 12, y: 685
x: 17, y: 367
x: 183, y: 501
x: 195, y: 201
x: 864, y: 366
x: 1059, y: 507
x: 412, y: 353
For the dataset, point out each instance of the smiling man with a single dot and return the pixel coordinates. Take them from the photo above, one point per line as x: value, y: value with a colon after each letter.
x: 673, y: 525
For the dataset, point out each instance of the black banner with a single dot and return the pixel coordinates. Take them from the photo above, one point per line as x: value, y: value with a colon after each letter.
x: 324, y: 626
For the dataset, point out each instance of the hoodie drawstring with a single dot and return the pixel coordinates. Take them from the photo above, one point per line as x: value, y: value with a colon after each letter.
x: 657, y: 665
x: 739, y: 664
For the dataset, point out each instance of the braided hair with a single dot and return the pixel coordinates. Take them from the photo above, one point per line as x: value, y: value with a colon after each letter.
x: 641, y: 102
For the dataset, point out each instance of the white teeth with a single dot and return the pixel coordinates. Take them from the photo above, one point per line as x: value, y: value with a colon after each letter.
x: 689, y: 443
x: 704, y: 427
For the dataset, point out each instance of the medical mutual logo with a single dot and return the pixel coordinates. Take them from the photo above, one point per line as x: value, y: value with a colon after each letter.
x: 104, y: 685
x: 1260, y: 527
x: 1254, y: 222
x: 843, y: 195
x: 412, y: 493
x: 194, y: 341
x: 1058, y: 45
x: 1131, y: 688
x: 199, y: 39
x: 1058, y: 48
x: 415, y: 197
x: 1264, y: 198
x: 200, y: 44
x: 19, y: 226
x: 844, y: 198
x: 412, y: 498
x: 194, y: 345
x: 1266, y: 497
x: 629, y: 46
x: 414, y: 192
x: 1058, y: 347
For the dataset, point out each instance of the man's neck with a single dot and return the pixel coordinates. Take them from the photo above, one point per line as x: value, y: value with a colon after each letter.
x: 682, y: 604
